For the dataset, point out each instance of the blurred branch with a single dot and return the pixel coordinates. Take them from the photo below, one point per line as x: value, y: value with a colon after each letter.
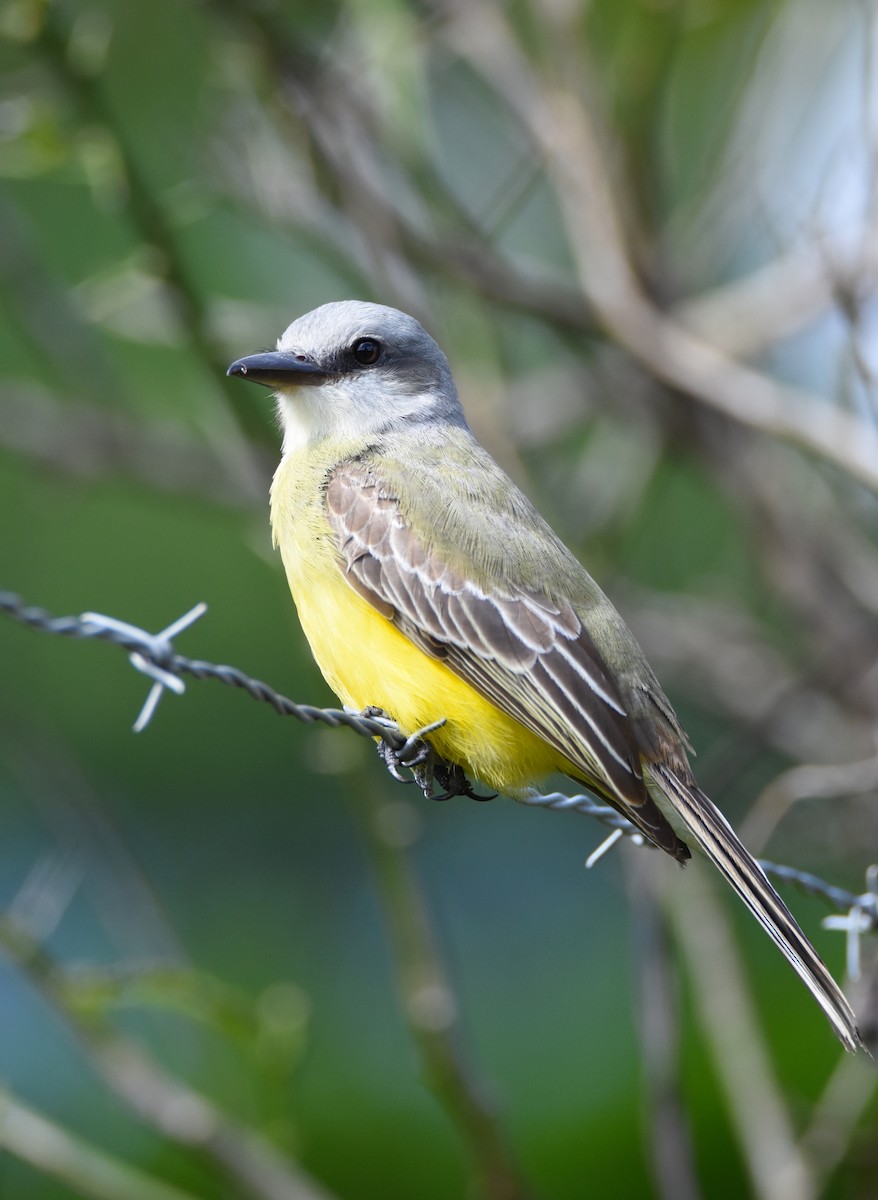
x: 562, y: 129
x: 90, y: 441
x: 658, y: 1011
x: 56, y: 1152
x: 810, y: 781
x: 429, y: 1003
x: 824, y: 568
x: 83, y: 86
x: 836, y: 1116
x: 739, y: 319
x: 753, y: 313
x: 49, y: 318
x: 355, y: 200
x: 175, y: 1110
x: 814, y: 553
x: 736, y: 671
x: 154, y: 655
x: 777, y: 1167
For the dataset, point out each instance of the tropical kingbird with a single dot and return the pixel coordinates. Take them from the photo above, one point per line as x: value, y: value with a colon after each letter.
x: 429, y: 587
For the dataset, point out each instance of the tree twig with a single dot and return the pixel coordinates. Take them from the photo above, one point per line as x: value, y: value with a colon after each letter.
x: 84, y: 87
x: 807, y: 781
x: 658, y: 1010
x: 430, y: 1006
x: 170, y: 1106
x: 82, y: 1167
x: 562, y: 129
x: 777, y: 1167
x: 755, y: 312
x: 86, y: 440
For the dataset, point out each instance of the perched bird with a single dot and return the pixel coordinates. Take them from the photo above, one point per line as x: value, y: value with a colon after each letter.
x: 429, y: 587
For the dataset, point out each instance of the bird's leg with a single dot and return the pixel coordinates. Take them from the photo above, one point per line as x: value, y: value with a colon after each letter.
x: 390, y: 757
x: 414, y: 755
x: 428, y: 768
x: 417, y: 756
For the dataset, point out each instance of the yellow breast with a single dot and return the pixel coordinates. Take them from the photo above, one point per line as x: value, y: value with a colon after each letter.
x: 367, y: 661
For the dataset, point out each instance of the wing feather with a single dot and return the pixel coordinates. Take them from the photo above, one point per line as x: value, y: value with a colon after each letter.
x: 527, y: 652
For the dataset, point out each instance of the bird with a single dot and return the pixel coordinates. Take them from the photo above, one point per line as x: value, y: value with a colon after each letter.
x: 430, y: 588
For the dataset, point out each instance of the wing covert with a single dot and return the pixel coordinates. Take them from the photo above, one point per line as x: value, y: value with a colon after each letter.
x: 526, y: 652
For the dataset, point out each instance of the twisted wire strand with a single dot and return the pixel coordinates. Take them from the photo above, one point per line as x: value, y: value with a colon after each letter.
x: 155, y: 655
x: 161, y: 653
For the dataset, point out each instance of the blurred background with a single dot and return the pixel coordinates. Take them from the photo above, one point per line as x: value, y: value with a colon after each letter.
x: 238, y: 961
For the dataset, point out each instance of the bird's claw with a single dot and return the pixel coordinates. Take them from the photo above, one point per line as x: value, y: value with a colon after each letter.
x: 418, y: 757
x: 453, y: 779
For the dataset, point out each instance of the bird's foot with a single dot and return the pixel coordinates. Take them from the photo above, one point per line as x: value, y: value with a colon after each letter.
x: 454, y: 780
x: 423, y: 765
x: 412, y: 762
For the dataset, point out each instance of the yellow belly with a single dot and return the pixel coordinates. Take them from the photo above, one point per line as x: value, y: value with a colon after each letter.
x: 367, y: 661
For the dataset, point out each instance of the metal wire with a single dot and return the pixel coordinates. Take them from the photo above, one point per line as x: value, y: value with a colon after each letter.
x: 159, y: 652
x: 154, y: 655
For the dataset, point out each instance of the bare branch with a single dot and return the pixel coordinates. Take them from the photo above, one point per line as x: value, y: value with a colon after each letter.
x: 777, y: 1167
x: 89, y: 441
x: 733, y: 668
x: 753, y: 313
x: 170, y: 1106
x: 56, y: 1152
x: 659, y: 1019
x: 809, y: 781
x: 562, y: 129
x: 429, y: 1003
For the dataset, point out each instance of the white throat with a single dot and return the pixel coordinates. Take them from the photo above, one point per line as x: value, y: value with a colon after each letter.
x: 310, y: 414
x: 298, y: 423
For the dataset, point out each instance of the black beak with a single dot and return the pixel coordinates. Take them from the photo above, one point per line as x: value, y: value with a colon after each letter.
x: 277, y: 370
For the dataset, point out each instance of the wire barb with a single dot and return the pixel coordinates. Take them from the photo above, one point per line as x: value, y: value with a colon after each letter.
x: 158, y: 648
x: 607, y: 844
x: 160, y: 654
x: 416, y: 749
x: 861, y: 917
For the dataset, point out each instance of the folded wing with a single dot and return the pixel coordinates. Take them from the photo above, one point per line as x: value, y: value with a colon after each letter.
x: 526, y: 652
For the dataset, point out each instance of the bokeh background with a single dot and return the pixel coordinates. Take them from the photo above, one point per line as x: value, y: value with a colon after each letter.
x: 238, y: 961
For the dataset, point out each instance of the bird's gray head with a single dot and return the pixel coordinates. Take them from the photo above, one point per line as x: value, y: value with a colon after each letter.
x: 351, y: 368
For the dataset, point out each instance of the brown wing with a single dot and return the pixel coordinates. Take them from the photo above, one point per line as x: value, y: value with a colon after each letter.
x: 527, y: 653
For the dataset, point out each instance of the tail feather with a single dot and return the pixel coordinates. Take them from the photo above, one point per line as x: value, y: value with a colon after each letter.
x: 705, y: 825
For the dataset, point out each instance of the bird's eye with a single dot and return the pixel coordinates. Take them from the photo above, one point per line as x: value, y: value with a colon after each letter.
x: 367, y: 351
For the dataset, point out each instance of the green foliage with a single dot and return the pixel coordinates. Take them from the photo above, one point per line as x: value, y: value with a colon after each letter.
x: 177, y: 182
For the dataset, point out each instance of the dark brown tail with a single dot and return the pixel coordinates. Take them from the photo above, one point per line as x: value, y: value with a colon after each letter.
x: 710, y: 831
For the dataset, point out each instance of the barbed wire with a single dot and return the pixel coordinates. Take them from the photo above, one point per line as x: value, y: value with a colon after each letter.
x: 154, y: 655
